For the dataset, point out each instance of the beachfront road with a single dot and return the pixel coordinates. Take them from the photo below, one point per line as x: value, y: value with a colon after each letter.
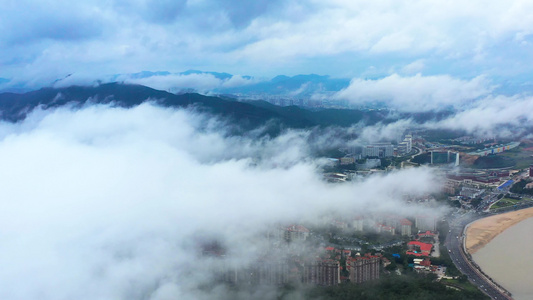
x: 454, y: 243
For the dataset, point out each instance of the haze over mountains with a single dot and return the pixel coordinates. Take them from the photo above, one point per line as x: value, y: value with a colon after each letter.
x: 249, y: 113
x: 118, y: 165
x: 206, y: 82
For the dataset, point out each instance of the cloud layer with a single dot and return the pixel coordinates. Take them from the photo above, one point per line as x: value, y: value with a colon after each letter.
x: 340, y: 38
x: 417, y: 93
x: 108, y: 203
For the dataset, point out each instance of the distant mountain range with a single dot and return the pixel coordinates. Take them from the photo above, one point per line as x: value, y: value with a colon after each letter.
x: 294, y: 87
x: 286, y: 87
x: 246, y: 114
x: 281, y: 85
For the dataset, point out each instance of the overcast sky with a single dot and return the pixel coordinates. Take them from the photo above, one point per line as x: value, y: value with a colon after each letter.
x: 43, y: 40
x: 103, y: 202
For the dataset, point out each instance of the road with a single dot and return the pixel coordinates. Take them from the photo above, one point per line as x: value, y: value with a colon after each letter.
x: 454, y: 243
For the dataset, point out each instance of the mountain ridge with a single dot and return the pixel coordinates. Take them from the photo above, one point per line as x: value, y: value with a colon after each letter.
x: 248, y: 115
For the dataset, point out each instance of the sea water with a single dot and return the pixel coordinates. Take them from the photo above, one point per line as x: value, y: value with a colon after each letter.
x: 508, y: 259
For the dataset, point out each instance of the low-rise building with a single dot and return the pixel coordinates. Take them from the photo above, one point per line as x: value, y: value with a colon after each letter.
x: 471, y: 192
x: 417, y: 248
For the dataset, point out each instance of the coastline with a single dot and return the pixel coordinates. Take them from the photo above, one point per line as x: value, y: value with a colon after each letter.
x: 482, y: 231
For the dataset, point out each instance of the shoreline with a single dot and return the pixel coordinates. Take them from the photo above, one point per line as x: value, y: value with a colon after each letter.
x: 481, y: 232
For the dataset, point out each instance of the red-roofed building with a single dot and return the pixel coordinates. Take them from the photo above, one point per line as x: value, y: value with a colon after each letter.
x: 384, y: 228
x: 426, y: 262
x: 426, y: 234
x: 417, y: 248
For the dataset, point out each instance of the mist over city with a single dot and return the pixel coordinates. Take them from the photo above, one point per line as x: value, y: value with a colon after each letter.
x: 201, y: 149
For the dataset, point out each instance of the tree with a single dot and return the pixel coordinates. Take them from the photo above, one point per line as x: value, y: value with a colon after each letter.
x: 463, y: 278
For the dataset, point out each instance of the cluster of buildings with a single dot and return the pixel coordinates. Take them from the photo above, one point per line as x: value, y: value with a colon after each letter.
x: 326, y: 266
x: 293, y: 233
x: 469, y: 192
x: 495, y: 149
x: 405, y: 146
x: 420, y: 248
x: 476, y: 179
x: 469, y: 140
x: 324, y: 269
x: 383, y: 150
x: 394, y: 224
x: 361, y: 268
x: 379, y: 150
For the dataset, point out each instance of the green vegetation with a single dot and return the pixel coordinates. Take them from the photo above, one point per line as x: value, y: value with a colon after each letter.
x: 409, y: 286
x: 442, y: 135
x: 424, y: 158
x: 443, y: 227
x: 520, y: 155
x: 461, y: 283
x: 493, y: 161
x: 520, y: 188
x: 445, y: 260
x: 397, y: 161
x: 505, y: 202
x: 475, y: 202
x: 376, y: 238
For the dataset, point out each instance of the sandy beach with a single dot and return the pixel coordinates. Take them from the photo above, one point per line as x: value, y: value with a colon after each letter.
x: 481, y: 232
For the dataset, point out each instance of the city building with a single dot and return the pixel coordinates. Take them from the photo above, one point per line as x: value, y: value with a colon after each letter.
x: 294, y: 233
x: 472, y: 193
x: 426, y: 223
x: 405, y: 146
x: 380, y: 150
x: 406, y: 227
x: 495, y: 149
x: 322, y: 272
x: 364, y: 268
x: 270, y: 272
x: 347, y: 160
x: 417, y: 248
x: 382, y: 228
x: 358, y: 223
x: 444, y: 157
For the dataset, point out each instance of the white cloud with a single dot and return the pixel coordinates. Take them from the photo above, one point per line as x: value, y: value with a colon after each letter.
x: 266, y: 36
x: 203, y: 82
x: 414, y: 68
x: 493, y: 116
x: 107, y: 203
x: 382, y: 132
x: 416, y: 93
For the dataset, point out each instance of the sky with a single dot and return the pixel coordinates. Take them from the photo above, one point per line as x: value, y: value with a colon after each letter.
x: 102, y: 202
x: 41, y: 41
